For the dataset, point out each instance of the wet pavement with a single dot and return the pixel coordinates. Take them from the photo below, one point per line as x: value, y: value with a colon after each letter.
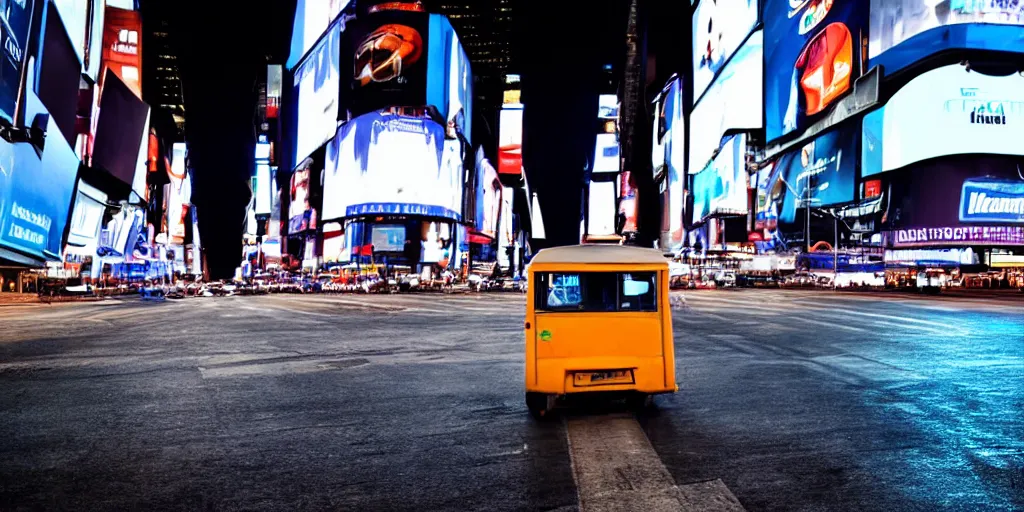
x: 796, y: 400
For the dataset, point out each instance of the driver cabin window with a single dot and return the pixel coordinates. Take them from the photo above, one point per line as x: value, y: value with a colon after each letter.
x: 597, y: 292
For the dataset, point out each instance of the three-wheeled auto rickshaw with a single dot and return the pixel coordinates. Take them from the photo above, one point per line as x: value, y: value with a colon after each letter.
x: 598, y: 320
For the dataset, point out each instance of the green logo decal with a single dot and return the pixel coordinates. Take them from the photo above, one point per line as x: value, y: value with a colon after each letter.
x: 545, y: 335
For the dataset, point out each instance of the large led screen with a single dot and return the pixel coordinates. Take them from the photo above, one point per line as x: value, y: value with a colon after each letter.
x: 263, y: 189
x: 87, y: 216
x: 914, y: 29
x: 945, y: 111
x: 119, y: 129
x: 317, y: 79
x: 674, y: 137
x: 732, y: 102
x: 312, y: 17
x: 179, y: 194
x: 601, y: 211
x: 35, y: 195
x: 719, y: 27
x: 488, y: 196
x: 819, y: 173
x: 17, y: 19
x: 122, y: 46
x: 627, y: 202
x: 84, y: 35
x: 606, y: 153
x: 510, y: 140
x: 811, y: 58
x: 387, y: 164
x: 450, y: 81
x: 721, y: 188
x: 388, y: 51
x: 58, y: 73
x: 388, y: 238
x: 301, y: 208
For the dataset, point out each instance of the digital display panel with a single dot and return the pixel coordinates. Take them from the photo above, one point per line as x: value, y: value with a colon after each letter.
x: 262, y: 192
x: 16, y: 18
x: 75, y: 14
x: 731, y: 103
x: 388, y: 238
x: 301, y: 211
x: 388, y: 164
x: 812, y: 55
x: 119, y: 130
x: 510, y: 140
x: 389, y: 52
x: 450, y: 81
x: 601, y: 211
x: 674, y: 137
x: 58, y: 73
x: 606, y: 153
x: 316, y: 82
x: 719, y: 27
x: 945, y: 111
x: 721, y: 188
x: 914, y: 29
x: 90, y: 203
x: 607, y: 106
x: 488, y: 196
x: 312, y: 17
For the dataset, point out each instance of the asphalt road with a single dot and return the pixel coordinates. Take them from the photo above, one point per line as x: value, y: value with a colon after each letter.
x: 795, y: 400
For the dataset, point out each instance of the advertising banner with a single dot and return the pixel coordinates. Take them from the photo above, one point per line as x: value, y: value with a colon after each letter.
x: 317, y: 81
x: 179, y: 196
x: 35, y: 194
x: 387, y: 164
x: 719, y: 27
x: 915, y: 29
x: 601, y: 211
x: 388, y: 50
x: 301, y: 212
x: 992, y: 201
x: 488, y: 196
x: 119, y: 129
x: 627, y: 203
x: 945, y: 111
x: 16, y: 18
x: 312, y: 17
x: 87, y: 217
x: 721, y: 188
x: 606, y: 153
x: 450, y: 80
x: 812, y: 55
x: 86, y: 35
x: 58, y: 73
x: 510, y: 140
x: 731, y: 103
x: 122, y: 47
x: 262, y: 191
x: 819, y: 173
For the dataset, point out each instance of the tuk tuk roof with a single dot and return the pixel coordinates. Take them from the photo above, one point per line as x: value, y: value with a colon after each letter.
x: 600, y: 254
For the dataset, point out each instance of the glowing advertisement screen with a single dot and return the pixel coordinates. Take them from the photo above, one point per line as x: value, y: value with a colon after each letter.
x: 16, y: 18
x: 262, y: 192
x: 388, y: 52
x: 674, y: 138
x: 905, y: 31
x: 312, y: 17
x: 488, y: 196
x: 87, y: 216
x: 731, y: 103
x: 386, y: 164
x: 388, y: 238
x: 301, y: 212
x: 607, y: 106
x: 721, y: 188
x: 945, y: 111
x: 606, y: 153
x: 601, y: 210
x: 627, y: 202
x: 316, y: 83
x: 719, y: 27
x: 75, y: 14
x: 819, y: 173
x: 811, y: 58
x: 450, y: 81
x: 510, y: 140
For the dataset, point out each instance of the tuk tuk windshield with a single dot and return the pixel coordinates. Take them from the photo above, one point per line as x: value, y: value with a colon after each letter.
x: 597, y: 292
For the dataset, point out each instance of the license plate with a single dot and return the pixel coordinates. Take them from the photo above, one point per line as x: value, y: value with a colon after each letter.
x: 603, y: 378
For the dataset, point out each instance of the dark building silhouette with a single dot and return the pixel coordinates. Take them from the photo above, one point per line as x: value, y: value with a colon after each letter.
x: 161, y: 76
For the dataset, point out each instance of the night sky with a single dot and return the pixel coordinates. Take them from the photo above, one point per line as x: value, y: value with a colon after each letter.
x: 222, y: 54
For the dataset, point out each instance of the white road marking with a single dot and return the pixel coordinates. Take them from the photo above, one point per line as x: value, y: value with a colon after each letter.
x: 616, y: 469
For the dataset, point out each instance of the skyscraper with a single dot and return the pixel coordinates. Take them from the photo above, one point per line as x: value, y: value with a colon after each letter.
x: 160, y: 67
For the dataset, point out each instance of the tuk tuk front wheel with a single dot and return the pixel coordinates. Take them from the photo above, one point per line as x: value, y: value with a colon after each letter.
x: 539, y: 404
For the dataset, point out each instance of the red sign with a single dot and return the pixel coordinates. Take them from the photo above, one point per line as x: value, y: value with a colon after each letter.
x: 755, y: 236
x: 510, y: 159
x: 872, y: 188
x: 122, y: 47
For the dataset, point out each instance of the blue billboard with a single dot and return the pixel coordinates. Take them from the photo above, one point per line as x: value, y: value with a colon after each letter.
x: 15, y: 25
x: 992, y: 201
x: 812, y: 55
x: 35, y: 195
x: 450, y: 79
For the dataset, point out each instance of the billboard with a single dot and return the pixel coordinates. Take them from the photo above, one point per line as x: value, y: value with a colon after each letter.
x: 262, y: 191
x: 606, y: 153
x: 316, y: 82
x: 601, y: 210
x: 450, y: 81
x: 387, y: 237
x: 58, y: 71
x: 945, y: 111
x: 627, y: 203
x: 35, y: 193
x: 488, y: 196
x: 17, y: 20
x: 721, y: 188
x: 120, y: 126
x: 991, y: 201
x: 122, y: 47
x: 510, y: 140
x: 301, y: 209
x: 86, y: 34
x: 388, y: 164
x: 719, y: 28
x: 140, y: 180
x: 87, y: 216
x: 312, y: 17
x: 674, y: 137
x: 819, y: 173
x: 179, y: 195
x: 731, y: 103
x: 812, y: 54
x: 914, y: 29
x: 388, y: 50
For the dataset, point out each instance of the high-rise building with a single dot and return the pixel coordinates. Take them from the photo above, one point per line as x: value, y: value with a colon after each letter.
x: 160, y: 70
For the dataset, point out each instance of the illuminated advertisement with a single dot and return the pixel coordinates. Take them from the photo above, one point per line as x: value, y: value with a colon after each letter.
x: 139, y: 182
x: 35, y: 194
x: 17, y: 19
x: 657, y: 143
x: 58, y: 72
x: 819, y: 173
x: 388, y: 164
x: 179, y: 195
x: 120, y: 126
x: 122, y: 47
x: 811, y: 57
x: 627, y: 202
x: 262, y: 191
x: 945, y: 111
x: 87, y: 216
x: 607, y: 106
x: 721, y: 188
x: 719, y: 27
x: 336, y: 246
x: 905, y: 31
x: 992, y: 201
x: 606, y: 153
x: 301, y: 213
x: 674, y: 138
x: 765, y: 216
x: 729, y: 104
x: 450, y: 82
x: 317, y: 79
x: 312, y: 17
x: 510, y: 140
x: 601, y: 211
x: 85, y: 34
x: 488, y: 196
x: 388, y: 238
x: 389, y: 55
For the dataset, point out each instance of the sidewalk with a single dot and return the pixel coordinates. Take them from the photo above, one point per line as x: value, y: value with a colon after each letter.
x: 15, y: 299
